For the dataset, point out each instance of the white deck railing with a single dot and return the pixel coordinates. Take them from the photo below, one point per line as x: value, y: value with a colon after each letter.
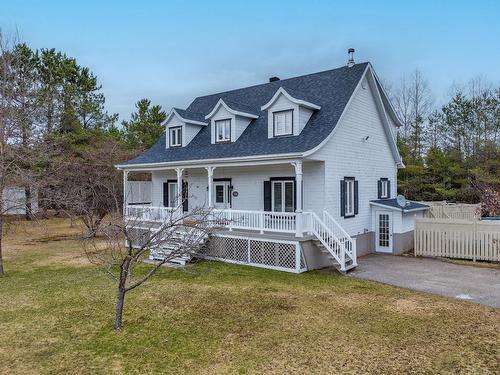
x: 149, y: 213
x: 263, y: 221
x: 333, y: 237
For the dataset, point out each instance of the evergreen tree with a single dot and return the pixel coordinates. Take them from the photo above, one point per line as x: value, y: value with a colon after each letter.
x: 145, y: 126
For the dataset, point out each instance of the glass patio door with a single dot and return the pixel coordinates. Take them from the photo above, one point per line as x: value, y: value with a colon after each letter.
x: 283, y: 196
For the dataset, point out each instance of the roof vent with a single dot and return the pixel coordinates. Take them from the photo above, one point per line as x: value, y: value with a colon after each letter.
x: 274, y: 79
x: 350, y: 62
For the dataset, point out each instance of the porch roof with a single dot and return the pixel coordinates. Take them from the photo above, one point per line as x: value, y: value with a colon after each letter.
x: 393, y: 205
x: 331, y: 90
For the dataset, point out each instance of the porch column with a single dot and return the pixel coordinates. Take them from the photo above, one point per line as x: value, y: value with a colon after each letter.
x: 179, y: 186
x: 125, y: 191
x: 210, y: 171
x: 298, y: 211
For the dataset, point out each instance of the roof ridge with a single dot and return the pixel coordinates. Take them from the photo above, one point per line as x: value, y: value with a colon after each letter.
x: 281, y: 80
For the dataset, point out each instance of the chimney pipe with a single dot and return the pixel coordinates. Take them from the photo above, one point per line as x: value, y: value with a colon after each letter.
x: 350, y: 53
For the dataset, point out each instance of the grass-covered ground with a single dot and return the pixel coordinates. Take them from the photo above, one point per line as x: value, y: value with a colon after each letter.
x: 56, y: 315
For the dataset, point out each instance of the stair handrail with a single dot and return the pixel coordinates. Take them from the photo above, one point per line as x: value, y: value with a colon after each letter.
x: 337, y: 228
x: 316, y: 221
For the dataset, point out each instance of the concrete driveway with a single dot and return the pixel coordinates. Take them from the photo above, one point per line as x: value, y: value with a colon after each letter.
x: 481, y: 285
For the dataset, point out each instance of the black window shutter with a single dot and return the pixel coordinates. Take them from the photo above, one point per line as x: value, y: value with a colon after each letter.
x: 356, y: 205
x: 267, y: 195
x: 342, y: 198
x: 185, y: 205
x: 165, y: 194
x: 379, y: 189
x: 388, y: 188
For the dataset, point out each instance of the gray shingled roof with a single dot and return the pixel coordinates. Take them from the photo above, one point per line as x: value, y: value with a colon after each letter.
x: 393, y: 203
x: 243, y: 107
x: 329, y: 89
x: 193, y: 116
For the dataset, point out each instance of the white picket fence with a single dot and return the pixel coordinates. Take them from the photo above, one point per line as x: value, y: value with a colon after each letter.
x: 445, y: 210
x: 455, y: 238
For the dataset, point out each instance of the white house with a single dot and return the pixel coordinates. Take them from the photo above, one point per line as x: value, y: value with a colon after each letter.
x: 305, y: 169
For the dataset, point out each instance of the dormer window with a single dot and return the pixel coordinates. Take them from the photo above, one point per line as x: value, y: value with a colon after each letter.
x: 182, y: 126
x: 229, y: 120
x: 175, y: 136
x: 287, y: 115
x: 223, y: 131
x: 283, y: 123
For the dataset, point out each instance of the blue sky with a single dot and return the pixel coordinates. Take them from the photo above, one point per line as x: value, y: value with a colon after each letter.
x: 172, y: 51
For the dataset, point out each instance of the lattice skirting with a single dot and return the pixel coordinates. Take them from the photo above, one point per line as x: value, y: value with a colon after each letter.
x: 258, y: 252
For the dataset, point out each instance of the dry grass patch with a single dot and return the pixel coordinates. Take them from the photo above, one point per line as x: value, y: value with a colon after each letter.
x: 212, y: 318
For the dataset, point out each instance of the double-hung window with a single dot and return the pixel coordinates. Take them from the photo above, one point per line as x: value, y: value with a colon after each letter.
x: 172, y: 194
x: 222, y: 131
x: 175, y: 136
x: 349, y: 197
x: 283, y: 123
x: 384, y: 188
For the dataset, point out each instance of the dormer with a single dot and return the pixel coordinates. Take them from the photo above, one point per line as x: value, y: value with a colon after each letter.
x: 181, y: 127
x: 287, y: 113
x: 228, y: 120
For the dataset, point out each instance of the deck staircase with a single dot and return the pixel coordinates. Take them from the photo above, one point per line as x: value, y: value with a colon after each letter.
x: 170, y: 248
x: 333, y: 241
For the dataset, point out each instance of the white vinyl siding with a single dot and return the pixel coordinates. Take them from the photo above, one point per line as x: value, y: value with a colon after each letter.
x: 175, y: 137
x: 247, y: 182
x: 223, y: 131
x: 283, y: 123
x: 347, y: 153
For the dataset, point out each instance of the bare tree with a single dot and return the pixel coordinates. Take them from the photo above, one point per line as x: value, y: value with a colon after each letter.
x: 16, y: 108
x: 124, y: 244
x: 402, y: 103
x: 82, y: 180
x: 413, y: 103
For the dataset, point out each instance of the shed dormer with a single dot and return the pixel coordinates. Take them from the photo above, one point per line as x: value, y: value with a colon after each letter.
x: 287, y: 113
x: 181, y: 127
x: 228, y: 120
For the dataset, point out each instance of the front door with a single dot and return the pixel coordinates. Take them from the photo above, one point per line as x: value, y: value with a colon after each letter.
x: 384, y: 231
x: 222, y: 194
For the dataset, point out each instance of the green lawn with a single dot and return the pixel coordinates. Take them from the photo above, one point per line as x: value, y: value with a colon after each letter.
x: 56, y: 316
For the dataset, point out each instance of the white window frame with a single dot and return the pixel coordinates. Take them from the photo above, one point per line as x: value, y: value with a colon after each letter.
x: 349, y: 197
x: 283, y: 192
x: 175, y: 136
x: 226, y: 130
x: 384, y: 188
x: 285, y: 133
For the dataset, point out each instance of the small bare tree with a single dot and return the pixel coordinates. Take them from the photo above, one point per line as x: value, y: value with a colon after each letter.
x: 151, y: 237
x: 489, y: 194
